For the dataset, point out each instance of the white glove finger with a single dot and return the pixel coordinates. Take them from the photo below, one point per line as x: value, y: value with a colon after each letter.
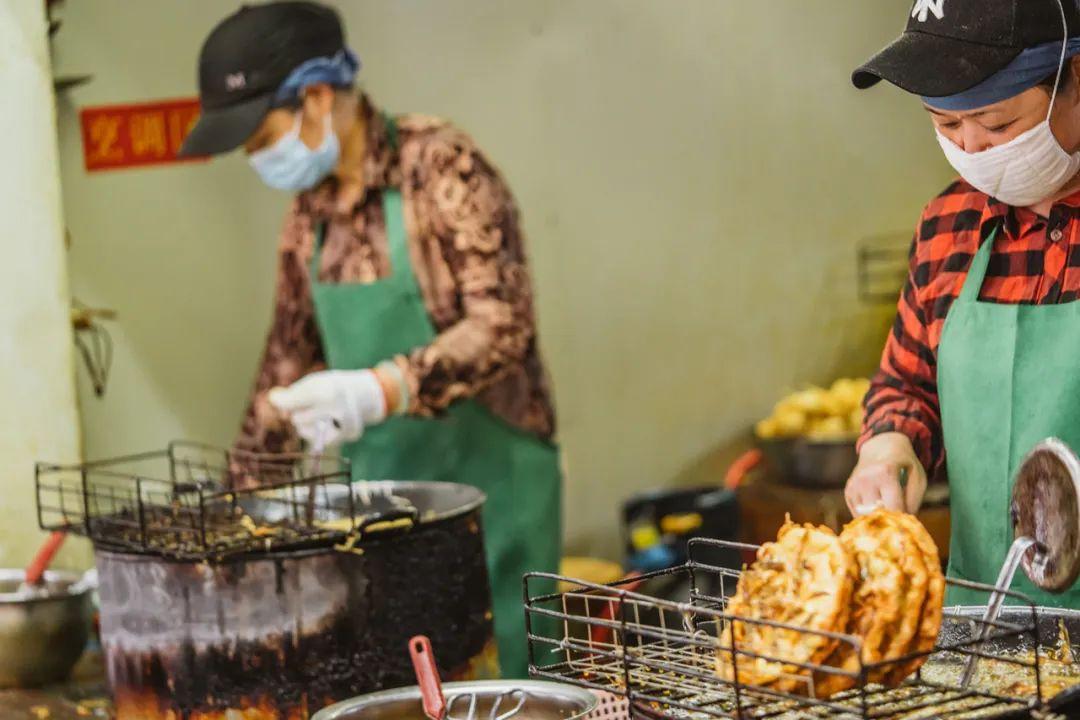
x: 350, y: 428
x: 317, y: 427
x: 314, y: 390
x: 310, y: 432
x: 315, y: 417
x: 287, y: 399
x: 320, y: 434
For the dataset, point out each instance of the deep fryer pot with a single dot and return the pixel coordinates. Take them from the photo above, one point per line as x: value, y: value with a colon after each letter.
x: 282, y: 634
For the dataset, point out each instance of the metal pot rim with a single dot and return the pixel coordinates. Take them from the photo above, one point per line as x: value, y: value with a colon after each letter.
x: 71, y: 581
x: 473, y: 498
x: 1040, y: 610
x: 540, y: 688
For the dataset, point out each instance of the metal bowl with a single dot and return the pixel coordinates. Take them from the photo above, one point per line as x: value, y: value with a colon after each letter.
x: 43, y: 634
x: 810, y: 463
x: 546, y: 701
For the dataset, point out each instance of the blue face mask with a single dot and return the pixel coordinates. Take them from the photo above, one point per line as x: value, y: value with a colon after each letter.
x: 291, y: 165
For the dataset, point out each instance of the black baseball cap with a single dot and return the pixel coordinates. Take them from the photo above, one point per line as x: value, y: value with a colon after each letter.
x: 246, y: 58
x: 951, y: 46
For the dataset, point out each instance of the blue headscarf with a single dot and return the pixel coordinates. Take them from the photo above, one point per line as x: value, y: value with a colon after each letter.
x: 339, y: 70
x: 1030, y: 67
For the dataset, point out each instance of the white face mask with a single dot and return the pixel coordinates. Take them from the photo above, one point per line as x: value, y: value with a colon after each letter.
x: 1024, y: 171
x: 291, y: 165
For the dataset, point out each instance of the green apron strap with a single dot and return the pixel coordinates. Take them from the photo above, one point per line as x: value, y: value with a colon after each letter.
x: 977, y: 272
x: 401, y: 271
x: 391, y: 130
x: 396, y: 237
x: 316, y: 251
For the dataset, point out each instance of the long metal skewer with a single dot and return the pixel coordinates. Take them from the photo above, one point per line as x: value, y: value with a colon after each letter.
x: 317, y: 448
x: 997, y: 600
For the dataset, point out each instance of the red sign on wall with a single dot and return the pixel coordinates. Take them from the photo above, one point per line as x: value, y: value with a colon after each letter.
x: 120, y: 136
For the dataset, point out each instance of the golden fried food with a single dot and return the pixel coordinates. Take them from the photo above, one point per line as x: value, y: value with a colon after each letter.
x: 789, y: 421
x: 812, y: 401
x: 818, y: 413
x: 855, y: 420
x: 767, y: 429
x: 880, y: 581
x: 828, y: 428
x: 931, y: 611
x: 915, y: 572
x: 805, y: 579
x: 879, y: 545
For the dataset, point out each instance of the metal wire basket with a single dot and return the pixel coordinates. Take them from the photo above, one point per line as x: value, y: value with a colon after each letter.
x: 662, y: 655
x: 197, y: 502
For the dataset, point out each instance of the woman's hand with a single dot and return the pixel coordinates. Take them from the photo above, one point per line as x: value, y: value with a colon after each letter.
x: 875, y: 481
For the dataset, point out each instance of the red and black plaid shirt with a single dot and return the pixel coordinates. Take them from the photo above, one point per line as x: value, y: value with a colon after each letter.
x: 1035, y: 260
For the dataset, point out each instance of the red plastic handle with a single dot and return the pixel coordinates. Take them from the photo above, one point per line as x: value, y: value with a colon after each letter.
x: 600, y: 634
x: 427, y: 677
x: 742, y: 465
x: 36, y: 570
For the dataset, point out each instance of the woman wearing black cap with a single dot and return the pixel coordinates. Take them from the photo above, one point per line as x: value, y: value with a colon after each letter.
x: 984, y: 358
x: 403, y: 271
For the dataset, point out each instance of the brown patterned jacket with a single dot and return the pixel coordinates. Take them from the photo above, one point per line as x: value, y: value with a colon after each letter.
x: 468, y: 254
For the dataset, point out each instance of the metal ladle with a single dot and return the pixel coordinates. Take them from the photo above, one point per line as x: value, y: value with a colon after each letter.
x: 1045, y: 511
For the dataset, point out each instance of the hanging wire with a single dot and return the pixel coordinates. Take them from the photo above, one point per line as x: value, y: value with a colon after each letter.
x: 94, y: 344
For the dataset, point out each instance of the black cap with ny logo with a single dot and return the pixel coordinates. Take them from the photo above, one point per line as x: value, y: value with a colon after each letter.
x: 951, y: 46
x: 246, y: 58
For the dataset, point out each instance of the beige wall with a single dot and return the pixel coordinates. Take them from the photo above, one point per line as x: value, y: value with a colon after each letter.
x: 39, y: 420
x: 694, y: 176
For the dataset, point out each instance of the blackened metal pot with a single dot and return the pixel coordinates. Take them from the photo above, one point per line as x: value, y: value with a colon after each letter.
x: 279, y: 635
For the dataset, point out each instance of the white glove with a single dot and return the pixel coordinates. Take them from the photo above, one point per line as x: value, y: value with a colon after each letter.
x: 333, y: 406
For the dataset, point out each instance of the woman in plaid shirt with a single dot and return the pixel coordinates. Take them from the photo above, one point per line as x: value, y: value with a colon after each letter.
x: 984, y: 358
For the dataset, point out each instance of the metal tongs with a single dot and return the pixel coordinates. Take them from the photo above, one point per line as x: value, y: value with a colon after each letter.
x: 1045, y: 516
x: 318, y: 447
x: 438, y: 707
x: 997, y: 601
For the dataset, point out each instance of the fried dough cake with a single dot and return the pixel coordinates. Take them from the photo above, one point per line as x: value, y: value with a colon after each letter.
x: 913, y: 568
x: 804, y: 579
x: 931, y: 612
x: 880, y: 581
x: 881, y: 614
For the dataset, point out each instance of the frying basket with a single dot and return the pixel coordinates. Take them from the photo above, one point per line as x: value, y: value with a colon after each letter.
x: 662, y: 655
x: 197, y: 502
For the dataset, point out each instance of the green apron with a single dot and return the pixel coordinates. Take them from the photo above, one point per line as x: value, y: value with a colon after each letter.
x: 1008, y: 377
x: 363, y: 324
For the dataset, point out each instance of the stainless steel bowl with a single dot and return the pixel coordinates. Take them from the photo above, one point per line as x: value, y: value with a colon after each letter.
x: 546, y: 701
x: 811, y: 463
x: 42, y: 634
